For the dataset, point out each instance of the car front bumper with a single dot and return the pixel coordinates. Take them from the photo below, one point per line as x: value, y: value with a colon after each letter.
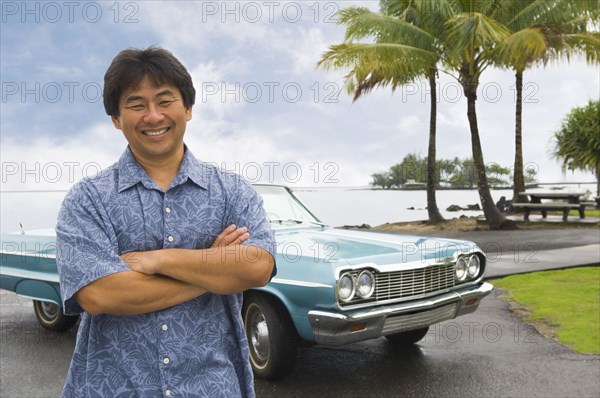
x: 332, y: 328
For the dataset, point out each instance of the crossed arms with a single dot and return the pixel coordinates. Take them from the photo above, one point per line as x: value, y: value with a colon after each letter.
x: 159, y: 279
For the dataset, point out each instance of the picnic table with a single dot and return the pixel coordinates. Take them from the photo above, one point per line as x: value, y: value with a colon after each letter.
x: 564, y: 201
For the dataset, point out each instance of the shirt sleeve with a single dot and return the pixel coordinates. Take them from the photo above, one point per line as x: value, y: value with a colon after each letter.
x: 248, y: 211
x: 87, y: 248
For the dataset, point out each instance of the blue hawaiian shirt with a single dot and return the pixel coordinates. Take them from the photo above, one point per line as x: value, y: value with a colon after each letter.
x: 194, y: 349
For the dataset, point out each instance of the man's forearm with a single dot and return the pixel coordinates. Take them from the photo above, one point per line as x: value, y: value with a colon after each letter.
x: 132, y: 293
x: 221, y: 270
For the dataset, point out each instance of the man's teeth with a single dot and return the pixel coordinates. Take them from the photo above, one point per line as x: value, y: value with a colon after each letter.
x: 158, y: 132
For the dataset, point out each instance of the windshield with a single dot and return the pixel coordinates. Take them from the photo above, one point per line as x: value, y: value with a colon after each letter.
x: 282, y: 206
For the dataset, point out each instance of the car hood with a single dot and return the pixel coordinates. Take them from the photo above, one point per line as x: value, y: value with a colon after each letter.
x: 351, y: 247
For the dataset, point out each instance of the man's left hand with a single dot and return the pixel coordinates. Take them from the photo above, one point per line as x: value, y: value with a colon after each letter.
x: 147, y: 262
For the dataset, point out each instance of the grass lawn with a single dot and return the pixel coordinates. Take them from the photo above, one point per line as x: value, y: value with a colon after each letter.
x: 588, y: 213
x: 568, y: 301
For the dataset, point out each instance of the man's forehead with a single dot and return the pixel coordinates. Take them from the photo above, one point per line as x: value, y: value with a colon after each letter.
x: 145, y: 84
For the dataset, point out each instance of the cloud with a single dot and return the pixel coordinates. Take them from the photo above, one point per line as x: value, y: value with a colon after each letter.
x: 261, y: 103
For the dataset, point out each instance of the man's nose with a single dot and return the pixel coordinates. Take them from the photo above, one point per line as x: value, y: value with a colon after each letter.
x: 153, y: 115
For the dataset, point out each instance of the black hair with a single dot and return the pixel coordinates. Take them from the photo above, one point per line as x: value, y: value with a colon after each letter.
x: 130, y: 66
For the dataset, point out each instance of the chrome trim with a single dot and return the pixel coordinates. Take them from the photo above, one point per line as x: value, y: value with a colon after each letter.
x: 407, y: 265
x: 39, y: 299
x: 335, y: 328
x: 299, y: 283
x: 28, y: 254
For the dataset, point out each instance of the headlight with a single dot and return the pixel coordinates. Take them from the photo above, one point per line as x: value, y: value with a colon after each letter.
x: 473, y: 267
x: 346, y: 288
x: 461, y: 269
x: 365, y: 284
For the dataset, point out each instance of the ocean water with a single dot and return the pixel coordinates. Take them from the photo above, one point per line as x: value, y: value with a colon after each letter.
x: 339, y: 206
x: 334, y: 206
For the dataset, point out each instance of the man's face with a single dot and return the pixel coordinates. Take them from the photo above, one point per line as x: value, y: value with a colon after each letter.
x: 153, y: 120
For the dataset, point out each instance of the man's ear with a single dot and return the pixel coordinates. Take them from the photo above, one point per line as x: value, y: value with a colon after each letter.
x: 188, y: 114
x: 116, y: 122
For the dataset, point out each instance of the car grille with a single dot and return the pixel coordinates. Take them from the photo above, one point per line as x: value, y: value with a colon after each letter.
x: 413, y: 282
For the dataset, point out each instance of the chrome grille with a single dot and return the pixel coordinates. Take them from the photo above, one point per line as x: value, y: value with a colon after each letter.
x: 414, y: 282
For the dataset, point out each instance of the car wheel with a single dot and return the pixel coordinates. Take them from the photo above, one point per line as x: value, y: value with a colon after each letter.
x: 407, y: 338
x: 51, y: 316
x: 271, y: 336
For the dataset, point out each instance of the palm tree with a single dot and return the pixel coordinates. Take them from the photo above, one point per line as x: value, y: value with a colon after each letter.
x: 401, y: 53
x: 472, y: 37
x: 577, y: 142
x: 542, y: 30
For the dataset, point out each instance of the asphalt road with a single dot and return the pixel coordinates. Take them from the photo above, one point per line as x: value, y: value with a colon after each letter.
x: 490, y: 353
x: 511, y: 241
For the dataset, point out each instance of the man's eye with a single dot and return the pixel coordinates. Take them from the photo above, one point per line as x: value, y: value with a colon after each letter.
x: 166, y: 103
x: 137, y: 107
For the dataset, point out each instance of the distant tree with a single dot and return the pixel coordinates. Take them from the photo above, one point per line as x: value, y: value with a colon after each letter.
x: 447, y: 169
x: 414, y: 168
x: 465, y: 175
x: 383, y: 180
x: 458, y: 173
x: 397, y: 175
x: 530, y: 175
x: 577, y: 142
x: 498, y: 176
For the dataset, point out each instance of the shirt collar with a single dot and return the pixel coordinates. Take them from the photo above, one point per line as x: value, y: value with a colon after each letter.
x: 193, y: 169
x: 131, y: 173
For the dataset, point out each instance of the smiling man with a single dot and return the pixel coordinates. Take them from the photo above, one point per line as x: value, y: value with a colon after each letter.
x: 156, y: 250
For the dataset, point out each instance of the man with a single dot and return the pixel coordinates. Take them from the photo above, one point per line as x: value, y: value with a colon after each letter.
x: 155, y: 251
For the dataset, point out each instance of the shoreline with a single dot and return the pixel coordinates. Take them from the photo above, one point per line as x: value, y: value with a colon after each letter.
x: 470, y: 224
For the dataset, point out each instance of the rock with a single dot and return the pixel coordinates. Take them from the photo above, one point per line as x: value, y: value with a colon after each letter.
x: 362, y: 226
x: 410, y: 208
x: 454, y: 208
x: 474, y: 207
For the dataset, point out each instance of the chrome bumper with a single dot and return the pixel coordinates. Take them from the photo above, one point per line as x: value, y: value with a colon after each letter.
x: 336, y: 329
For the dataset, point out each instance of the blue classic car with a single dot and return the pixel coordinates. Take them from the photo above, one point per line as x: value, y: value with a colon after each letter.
x: 333, y: 286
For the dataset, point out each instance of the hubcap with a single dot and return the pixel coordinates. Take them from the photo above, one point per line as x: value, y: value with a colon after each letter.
x: 50, y: 309
x: 259, y: 337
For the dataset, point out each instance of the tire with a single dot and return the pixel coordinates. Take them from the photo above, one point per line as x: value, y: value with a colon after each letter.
x: 272, y: 338
x: 51, y: 316
x: 406, y: 339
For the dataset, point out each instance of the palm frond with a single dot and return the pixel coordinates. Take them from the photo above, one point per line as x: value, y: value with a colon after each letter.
x: 473, y: 33
x: 587, y: 43
x: 350, y: 55
x: 523, y: 48
x: 363, y: 24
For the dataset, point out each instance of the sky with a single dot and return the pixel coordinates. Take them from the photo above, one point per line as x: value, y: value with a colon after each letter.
x: 262, y: 109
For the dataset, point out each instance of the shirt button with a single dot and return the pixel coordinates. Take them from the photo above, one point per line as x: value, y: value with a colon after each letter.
x: 167, y: 210
x: 170, y: 238
x: 165, y: 327
x: 168, y: 393
x: 166, y: 360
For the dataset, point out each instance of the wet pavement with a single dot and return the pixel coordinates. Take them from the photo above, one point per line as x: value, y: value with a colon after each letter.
x: 491, y: 353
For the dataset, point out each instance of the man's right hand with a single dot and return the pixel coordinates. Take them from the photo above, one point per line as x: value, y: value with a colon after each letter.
x: 231, y: 235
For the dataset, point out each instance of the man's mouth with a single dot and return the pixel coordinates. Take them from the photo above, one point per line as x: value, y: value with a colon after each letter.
x: 153, y: 133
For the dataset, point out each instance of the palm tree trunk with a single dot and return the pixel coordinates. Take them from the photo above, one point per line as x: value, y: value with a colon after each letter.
x: 435, y: 216
x: 598, y: 178
x: 519, y: 178
x: 493, y: 216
